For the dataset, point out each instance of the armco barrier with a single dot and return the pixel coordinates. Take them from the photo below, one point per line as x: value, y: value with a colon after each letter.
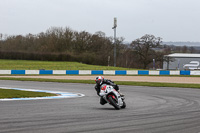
x: 164, y: 73
x: 73, y: 72
x: 143, y: 72
x: 17, y: 71
x: 184, y: 72
x: 99, y: 72
x: 46, y: 71
x: 120, y: 72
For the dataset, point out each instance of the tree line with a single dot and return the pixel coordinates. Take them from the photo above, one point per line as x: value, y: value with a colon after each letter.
x: 65, y: 44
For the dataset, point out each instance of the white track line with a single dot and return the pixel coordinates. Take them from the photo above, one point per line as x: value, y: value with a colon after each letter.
x: 59, y: 93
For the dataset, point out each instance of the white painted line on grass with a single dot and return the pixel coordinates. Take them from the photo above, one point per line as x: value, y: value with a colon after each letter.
x: 59, y: 94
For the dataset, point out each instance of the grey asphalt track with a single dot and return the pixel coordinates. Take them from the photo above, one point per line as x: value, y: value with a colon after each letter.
x: 149, y: 110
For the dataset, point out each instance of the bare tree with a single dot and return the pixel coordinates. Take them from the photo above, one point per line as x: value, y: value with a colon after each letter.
x: 184, y: 49
x: 192, y: 50
x: 145, y: 48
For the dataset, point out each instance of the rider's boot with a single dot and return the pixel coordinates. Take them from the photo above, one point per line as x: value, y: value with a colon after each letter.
x: 122, y: 95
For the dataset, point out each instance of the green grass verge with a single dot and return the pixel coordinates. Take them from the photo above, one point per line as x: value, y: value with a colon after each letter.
x: 152, y: 84
x: 9, y: 93
x: 51, y: 65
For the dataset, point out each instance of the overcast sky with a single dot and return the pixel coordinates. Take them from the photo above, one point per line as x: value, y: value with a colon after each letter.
x: 172, y: 20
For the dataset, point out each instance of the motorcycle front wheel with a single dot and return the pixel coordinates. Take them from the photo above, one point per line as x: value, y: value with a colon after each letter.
x: 124, y: 105
x: 113, y: 103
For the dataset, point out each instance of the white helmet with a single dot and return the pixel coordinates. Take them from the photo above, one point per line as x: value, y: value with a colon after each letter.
x: 99, y: 80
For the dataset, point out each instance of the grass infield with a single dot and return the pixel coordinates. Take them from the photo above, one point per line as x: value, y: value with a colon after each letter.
x: 9, y: 93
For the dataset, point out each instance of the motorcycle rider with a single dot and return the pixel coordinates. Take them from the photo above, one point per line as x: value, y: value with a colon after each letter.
x: 99, y: 81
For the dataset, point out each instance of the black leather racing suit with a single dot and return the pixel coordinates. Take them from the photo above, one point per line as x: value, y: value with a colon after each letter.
x: 108, y: 82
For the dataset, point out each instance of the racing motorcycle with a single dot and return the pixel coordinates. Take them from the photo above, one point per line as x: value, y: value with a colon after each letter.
x: 111, y: 96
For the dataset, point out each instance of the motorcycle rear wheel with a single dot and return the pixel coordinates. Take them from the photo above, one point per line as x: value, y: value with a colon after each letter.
x: 113, y: 103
